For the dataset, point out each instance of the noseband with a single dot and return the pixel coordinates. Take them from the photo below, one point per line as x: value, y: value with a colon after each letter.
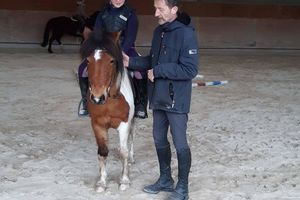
x: 102, y: 99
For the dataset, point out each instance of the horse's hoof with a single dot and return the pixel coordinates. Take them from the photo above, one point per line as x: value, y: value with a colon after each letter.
x: 100, y: 186
x: 123, y: 186
x: 131, y: 161
x: 100, y: 189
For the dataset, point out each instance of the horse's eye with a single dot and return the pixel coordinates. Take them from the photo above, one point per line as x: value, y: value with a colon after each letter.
x: 112, y: 61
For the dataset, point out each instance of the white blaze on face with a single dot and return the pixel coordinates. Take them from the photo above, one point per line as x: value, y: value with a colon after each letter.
x: 98, y: 54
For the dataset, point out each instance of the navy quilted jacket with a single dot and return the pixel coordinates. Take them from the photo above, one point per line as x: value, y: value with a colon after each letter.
x: 174, y: 58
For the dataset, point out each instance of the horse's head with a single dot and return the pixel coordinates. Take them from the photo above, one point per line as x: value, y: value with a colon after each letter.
x: 105, y: 66
x: 102, y: 72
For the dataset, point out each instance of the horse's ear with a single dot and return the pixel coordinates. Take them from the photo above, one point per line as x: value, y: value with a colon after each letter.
x: 116, y: 36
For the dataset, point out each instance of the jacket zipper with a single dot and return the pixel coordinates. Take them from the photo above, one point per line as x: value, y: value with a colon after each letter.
x: 160, y: 46
x: 171, y: 91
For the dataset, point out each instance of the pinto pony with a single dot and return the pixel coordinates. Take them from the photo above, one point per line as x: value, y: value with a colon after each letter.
x: 110, y: 100
x: 57, y: 27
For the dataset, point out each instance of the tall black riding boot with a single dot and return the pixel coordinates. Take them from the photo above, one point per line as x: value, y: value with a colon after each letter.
x: 181, y: 191
x: 82, y: 107
x: 165, y: 181
x: 141, y: 98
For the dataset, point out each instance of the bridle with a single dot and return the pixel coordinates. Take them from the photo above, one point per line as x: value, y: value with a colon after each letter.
x: 102, y: 99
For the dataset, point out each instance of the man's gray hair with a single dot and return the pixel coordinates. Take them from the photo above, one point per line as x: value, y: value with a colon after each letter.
x: 172, y: 3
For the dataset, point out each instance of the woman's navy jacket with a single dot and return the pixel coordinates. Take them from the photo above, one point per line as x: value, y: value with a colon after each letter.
x: 174, y: 57
x: 120, y: 19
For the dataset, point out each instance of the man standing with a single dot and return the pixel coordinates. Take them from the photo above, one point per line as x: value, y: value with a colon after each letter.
x: 172, y: 64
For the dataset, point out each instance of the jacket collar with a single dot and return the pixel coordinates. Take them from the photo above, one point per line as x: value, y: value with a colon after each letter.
x: 169, y: 26
x: 181, y: 20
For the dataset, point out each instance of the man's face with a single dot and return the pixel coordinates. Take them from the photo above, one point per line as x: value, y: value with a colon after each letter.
x: 117, y: 3
x: 163, y: 13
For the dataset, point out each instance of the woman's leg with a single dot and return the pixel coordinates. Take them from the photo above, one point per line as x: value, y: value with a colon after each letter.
x: 83, y: 85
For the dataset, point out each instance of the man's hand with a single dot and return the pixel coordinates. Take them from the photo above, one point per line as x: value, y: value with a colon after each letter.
x: 125, y: 59
x: 151, y: 75
x: 86, y: 32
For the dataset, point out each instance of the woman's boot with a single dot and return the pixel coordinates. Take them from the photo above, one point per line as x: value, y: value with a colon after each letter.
x: 141, y: 98
x: 82, y: 107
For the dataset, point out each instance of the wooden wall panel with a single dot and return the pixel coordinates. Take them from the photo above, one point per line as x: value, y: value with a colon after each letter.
x: 145, y: 7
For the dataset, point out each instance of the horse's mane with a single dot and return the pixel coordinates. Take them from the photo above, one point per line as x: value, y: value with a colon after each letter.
x: 99, y: 39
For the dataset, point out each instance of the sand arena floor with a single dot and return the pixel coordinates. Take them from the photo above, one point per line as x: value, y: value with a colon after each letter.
x: 244, y: 136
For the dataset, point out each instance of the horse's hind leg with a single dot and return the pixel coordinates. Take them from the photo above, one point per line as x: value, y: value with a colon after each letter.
x: 124, y: 129
x: 58, y: 37
x: 101, y: 138
x: 59, y: 41
x: 50, y: 44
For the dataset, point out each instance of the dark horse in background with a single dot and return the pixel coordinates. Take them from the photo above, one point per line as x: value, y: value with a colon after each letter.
x: 60, y: 26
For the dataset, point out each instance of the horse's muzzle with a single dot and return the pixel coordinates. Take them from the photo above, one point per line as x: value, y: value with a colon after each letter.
x: 98, y: 101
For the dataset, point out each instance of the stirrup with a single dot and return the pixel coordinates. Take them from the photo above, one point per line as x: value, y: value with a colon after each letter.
x: 82, y: 112
x: 140, y: 111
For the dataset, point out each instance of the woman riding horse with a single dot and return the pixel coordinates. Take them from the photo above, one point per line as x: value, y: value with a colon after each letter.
x: 115, y: 17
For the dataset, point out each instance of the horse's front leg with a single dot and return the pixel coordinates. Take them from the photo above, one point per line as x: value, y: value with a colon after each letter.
x: 101, y: 184
x: 101, y: 138
x: 131, y: 138
x: 123, y: 130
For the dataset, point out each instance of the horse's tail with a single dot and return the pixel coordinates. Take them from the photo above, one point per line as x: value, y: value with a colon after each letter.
x: 46, y: 34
